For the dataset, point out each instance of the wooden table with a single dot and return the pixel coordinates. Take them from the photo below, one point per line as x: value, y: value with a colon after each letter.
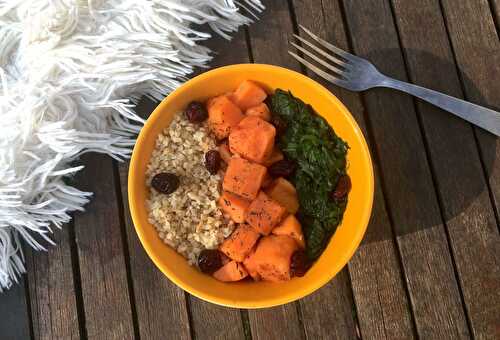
x: 429, y: 265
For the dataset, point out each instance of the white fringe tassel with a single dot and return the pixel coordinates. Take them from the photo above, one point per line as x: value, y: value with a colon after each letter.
x: 71, y: 72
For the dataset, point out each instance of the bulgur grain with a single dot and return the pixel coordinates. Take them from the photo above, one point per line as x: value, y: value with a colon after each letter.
x: 189, y: 219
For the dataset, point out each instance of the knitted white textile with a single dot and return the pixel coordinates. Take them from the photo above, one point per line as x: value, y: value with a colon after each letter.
x: 71, y: 73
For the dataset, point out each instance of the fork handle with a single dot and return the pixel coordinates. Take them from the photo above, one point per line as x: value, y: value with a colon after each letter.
x: 478, y: 115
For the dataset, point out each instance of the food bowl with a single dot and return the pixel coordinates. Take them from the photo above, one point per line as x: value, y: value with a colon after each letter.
x: 343, y: 244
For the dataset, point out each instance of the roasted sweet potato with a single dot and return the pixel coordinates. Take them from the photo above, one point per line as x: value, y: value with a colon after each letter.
x: 234, y: 205
x: 239, y: 244
x: 284, y: 193
x: 264, y: 214
x: 230, y: 272
x: 251, y: 265
x: 261, y: 111
x: 290, y: 226
x: 223, y: 115
x: 271, y: 259
x: 248, y: 94
x: 244, y: 178
x: 253, y: 139
x: 224, y: 152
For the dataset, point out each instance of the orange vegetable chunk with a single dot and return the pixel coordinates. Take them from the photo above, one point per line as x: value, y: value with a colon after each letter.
x: 272, y: 257
x: 276, y: 155
x: 239, y: 244
x: 248, y: 94
x: 230, y: 272
x: 284, y: 193
x: 264, y: 214
x: 251, y: 265
x: 233, y: 205
x: 244, y: 178
x: 223, y: 115
x: 253, y: 139
x: 225, y: 154
x: 290, y: 226
x: 261, y: 111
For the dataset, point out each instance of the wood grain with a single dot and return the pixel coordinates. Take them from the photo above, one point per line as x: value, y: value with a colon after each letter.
x: 215, y: 322
x: 14, y: 312
x: 105, y: 291
x: 276, y: 323
x: 52, y: 291
x: 477, y: 51
x: 379, y: 292
x: 474, y: 232
x: 160, y: 305
x: 407, y: 179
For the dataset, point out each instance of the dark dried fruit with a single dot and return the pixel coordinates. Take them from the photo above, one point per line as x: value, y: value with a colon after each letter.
x: 209, y: 261
x: 283, y: 168
x: 279, y: 124
x: 342, y: 188
x: 299, y: 263
x: 196, y: 112
x: 165, y: 183
x: 212, y: 161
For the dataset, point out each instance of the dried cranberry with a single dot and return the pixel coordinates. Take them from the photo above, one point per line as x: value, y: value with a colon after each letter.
x: 279, y: 124
x: 299, y: 263
x: 342, y: 188
x: 196, y: 112
x: 165, y: 183
x: 283, y: 168
x: 212, y: 161
x: 209, y: 260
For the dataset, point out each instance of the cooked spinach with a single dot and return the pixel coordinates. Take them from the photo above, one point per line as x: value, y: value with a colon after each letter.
x: 321, y: 159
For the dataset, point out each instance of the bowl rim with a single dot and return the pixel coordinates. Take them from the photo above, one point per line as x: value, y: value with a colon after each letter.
x: 134, y: 205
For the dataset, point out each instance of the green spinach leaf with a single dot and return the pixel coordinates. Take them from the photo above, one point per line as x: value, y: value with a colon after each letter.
x: 321, y: 158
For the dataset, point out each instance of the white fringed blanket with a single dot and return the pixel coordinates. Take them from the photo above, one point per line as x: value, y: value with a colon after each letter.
x: 71, y: 73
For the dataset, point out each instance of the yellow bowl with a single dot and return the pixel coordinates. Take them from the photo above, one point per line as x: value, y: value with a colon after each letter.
x: 345, y: 240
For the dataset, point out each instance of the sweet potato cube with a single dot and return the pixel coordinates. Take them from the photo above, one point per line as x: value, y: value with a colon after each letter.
x: 290, y: 226
x: 230, y: 272
x: 274, y: 157
x: 251, y: 265
x: 248, y: 94
x: 272, y: 257
x: 264, y: 214
x: 239, y: 244
x: 225, y: 154
x: 233, y: 205
x: 253, y: 139
x: 244, y: 178
x: 285, y: 194
x: 261, y: 111
x: 223, y: 115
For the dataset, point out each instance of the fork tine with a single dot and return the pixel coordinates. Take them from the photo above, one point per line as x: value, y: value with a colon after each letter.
x: 326, y: 44
x: 320, y: 51
x: 329, y: 66
x: 318, y: 71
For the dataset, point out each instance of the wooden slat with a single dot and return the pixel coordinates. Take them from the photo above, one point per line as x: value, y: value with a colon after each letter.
x: 477, y: 51
x: 407, y: 179
x: 379, y: 291
x: 14, y: 312
x: 275, y: 323
x: 495, y: 8
x: 471, y: 222
x: 52, y: 291
x: 215, y: 322
x: 160, y: 304
x: 101, y: 255
x: 269, y: 45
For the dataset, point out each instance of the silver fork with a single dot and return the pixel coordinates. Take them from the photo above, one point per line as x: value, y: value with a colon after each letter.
x: 357, y: 74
